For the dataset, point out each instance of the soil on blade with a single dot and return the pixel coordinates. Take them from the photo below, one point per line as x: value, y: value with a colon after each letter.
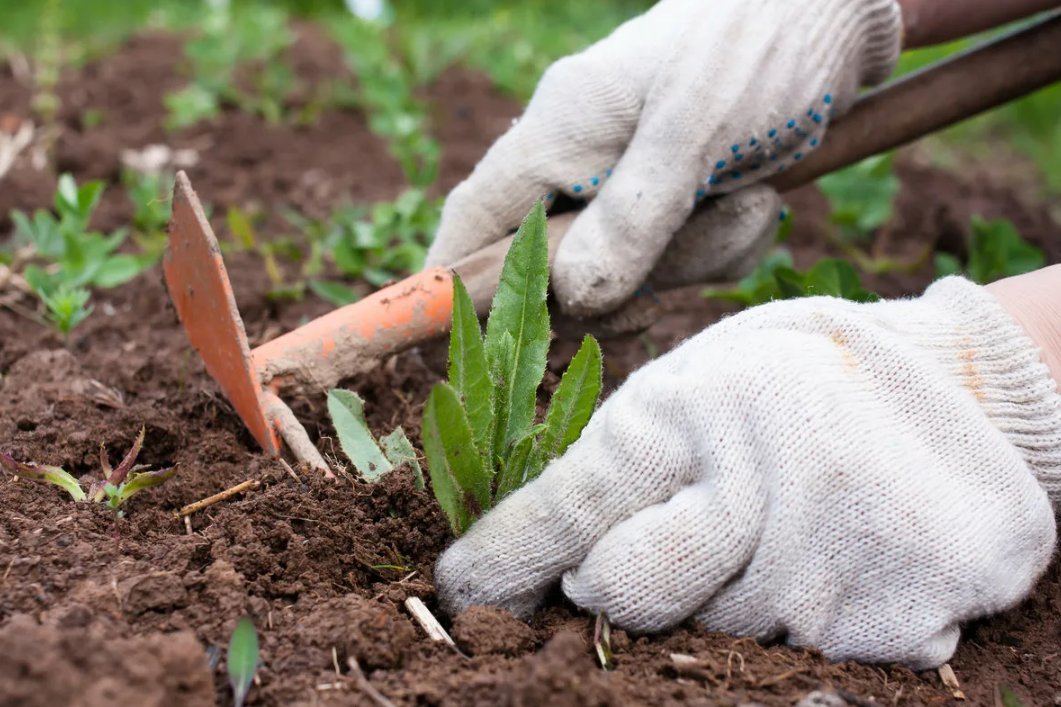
x: 99, y: 610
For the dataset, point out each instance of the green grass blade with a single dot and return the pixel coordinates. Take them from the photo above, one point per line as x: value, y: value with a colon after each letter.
x: 242, y: 659
x: 46, y: 474
x: 399, y: 450
x: 460, y: 480
x: 469, y: 372
x: 347, y: 412
x: 519, y: 310
x: 572, y: 405
x: 517, y: 469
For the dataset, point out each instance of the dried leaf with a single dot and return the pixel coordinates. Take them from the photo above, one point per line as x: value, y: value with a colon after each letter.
x: 347, y: 412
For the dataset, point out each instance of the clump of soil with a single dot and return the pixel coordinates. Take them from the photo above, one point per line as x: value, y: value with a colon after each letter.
x: 96, y: 609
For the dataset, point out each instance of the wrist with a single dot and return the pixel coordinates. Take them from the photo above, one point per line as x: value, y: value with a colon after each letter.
x: 1033, y: 300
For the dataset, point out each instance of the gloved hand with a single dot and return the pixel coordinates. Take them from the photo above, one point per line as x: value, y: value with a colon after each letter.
x: 856, y: 477
x: 691, y: 99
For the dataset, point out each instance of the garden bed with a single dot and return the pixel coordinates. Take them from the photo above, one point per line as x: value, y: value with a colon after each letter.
x: 96, y: 609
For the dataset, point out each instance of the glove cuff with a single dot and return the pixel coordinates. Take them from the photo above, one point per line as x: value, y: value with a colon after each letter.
x: 982, y: 347
x: 882, y: 39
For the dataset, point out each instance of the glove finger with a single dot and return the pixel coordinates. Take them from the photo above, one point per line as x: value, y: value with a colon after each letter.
x: 657, y: 568
x: 512, y: 555
x: 723, y: 240
x: 578, y: 122
x: 617, y: 239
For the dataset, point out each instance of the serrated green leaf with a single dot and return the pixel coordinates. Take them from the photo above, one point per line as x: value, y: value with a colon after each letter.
x: 500, y: 355
x: 138, y: 482
x: 572, y: 404
x: 46, y: 474
x: 242, y: 659
x: 469, y: 372
x: 399, y: 450
x: 347, y: 411
x: 460, y: 481
x: 519, y: 310
x: 516, y: 470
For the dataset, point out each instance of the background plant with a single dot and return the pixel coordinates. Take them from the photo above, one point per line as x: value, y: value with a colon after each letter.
x: 995, y: 250
x: 237, y: 61
x: 776, y: 278
x: 66, y: 258
x: 386, y: 92
x: 479, y: 431
x: 862, y: 196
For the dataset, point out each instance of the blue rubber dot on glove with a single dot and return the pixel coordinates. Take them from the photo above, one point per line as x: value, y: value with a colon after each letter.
x: 594, y: 181
x: 791, y: 124
x: 577, y: 189
x: 828, y: 98
x: 720, y: 164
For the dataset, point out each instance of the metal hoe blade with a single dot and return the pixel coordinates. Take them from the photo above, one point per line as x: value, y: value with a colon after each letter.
x: 200, y: 289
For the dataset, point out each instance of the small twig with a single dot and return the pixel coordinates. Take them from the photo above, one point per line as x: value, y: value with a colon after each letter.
x: 288, y: 469
x: 365, y: 685
x: 781, y: 678
x: 423, y: 616
x: 692, y: 667
x: 188, y: 525
x: 218, y: 497
x: 950, y: 681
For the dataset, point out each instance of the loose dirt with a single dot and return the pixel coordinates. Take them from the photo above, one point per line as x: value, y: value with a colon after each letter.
x: 98, y: 610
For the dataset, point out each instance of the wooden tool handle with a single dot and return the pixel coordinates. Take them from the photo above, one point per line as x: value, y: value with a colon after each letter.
x: 900, y: 112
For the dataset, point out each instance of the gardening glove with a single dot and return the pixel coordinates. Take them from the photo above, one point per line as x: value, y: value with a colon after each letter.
x: 856, y: 477
x: 689, y: 100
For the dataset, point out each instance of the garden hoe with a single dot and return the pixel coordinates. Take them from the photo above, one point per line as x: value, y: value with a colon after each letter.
x: 354, y: 338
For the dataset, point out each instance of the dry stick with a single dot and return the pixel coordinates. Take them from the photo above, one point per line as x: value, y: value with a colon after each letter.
x: 218, y: 497
x: 288, y: 469
x: 950, y: 681
x: 367, y: 687
x: 427, y: 621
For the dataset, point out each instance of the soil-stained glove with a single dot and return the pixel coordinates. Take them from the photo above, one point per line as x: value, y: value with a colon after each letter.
x: 691, y: 99
x: 856, y: 477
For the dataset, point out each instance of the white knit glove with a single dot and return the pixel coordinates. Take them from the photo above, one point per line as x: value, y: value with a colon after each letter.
x: 691, y: 99
x: 856, y: 477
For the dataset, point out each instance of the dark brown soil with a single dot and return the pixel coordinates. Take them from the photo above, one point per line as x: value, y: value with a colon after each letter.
x: 98, y: 610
